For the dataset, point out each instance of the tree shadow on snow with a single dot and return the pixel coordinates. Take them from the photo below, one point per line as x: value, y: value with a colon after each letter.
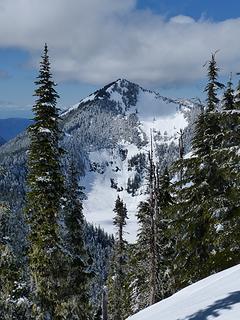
x: 214, y: 309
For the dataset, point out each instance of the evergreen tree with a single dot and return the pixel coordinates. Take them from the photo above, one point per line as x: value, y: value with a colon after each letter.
x: 213, y: 84
x: 197, y: 195
x: 141, y: 258
x: 45, y: 190
x: 79, y: 274
x: 154, y: 219
x: 147, y: 288
x: 208, y: 123
x: 98, y: 314
x: 237, y: 96
x: 14, y: 289
x: 230, y: 118
x: 118, y: 309
x: 227, y: 158
x: 228, y: 97
x: 164, y: 238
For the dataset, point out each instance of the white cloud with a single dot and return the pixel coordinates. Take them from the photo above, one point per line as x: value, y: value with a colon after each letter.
x: 96, y: 41
x: 182, y: 19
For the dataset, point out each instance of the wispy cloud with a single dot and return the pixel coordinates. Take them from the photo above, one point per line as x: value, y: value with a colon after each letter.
x: 99, y: 40
x: 12, y: 109
x: 4, y: 74
x: 4, y: 103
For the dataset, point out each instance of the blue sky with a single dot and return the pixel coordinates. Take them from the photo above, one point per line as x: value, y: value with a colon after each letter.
x: 217, y: 10
x: 86, y: 63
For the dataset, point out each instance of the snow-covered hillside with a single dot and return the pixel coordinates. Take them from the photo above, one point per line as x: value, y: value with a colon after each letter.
x: 114, y: 166
x: 215, y: 297
x: 107, y: 134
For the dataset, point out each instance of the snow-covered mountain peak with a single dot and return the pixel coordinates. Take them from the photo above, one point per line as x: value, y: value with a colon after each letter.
x: 125, y: 96
x: 112, y: 127
x: 108, y: 135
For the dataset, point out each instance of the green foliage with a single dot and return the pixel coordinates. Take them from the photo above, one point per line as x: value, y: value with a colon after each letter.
x: 164, y: 238
x: 14, y: 286
x: 79, y: 262
x: 118, y: 279
x: 45, y: 189
x: 228, y: 98
x: 206, y: 204
x: 213, y: 85
x: 227, y: 158
x: 153, y: 216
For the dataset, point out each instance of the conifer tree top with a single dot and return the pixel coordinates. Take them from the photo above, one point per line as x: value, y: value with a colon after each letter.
x: 237, y: 96
x: 45, y: 111
x: 228, y: 98
x: 213, y: 85
x: 121, y: 213
x: 45, y: 92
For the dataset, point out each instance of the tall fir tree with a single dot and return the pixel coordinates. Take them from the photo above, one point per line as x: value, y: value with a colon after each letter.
x: 118, y: 303
x: 151, y: 254
x: 146, y: 252
x: 227, y: 159
x: 213, y: 84
x: 237, y: 96
x: 197, y: 195
x: 79, y: 261
x: 43, y: 200
x: 228, y: 97
x: 154, y: 218
x: 164, y: 238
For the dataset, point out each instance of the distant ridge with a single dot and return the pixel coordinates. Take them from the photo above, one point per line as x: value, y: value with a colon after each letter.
x: 108, y: 135
x: 2, y: 141
x: 11, y: 127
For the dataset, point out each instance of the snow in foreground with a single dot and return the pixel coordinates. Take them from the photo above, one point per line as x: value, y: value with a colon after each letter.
x: 217, y: 296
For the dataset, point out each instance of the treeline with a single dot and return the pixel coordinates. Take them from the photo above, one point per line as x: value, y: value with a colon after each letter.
x: 189, y: 225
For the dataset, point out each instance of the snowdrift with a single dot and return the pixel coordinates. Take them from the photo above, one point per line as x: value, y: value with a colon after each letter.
x: 215, y: 297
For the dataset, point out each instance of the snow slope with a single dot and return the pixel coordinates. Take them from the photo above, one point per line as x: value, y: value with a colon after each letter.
x: 98, y: 206
x: 217, y: 296
x: 162, y: 116
x: 108, y: 135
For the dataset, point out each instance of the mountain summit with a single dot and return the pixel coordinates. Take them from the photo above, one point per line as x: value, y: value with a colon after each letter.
x: 107, y: 134
x: 113, y: 125
x: 127, y: 94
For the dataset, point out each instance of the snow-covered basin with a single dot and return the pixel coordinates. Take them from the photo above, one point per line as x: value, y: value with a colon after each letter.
x: 101, y: 197
x: 216, y: 297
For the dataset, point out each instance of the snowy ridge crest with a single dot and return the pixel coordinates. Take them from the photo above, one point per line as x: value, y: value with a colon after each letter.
x: 108, y: 136
x: 119, y: 119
